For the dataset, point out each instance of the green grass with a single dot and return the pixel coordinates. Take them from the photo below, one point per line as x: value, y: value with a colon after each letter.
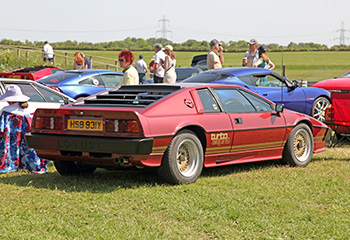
x: 311, y: 66
x: 263, y: 200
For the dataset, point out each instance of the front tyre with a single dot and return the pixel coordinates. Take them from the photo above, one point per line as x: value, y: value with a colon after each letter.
x: 318, y: 109
x: 299, y: 146
x: 183, y: 160
x: 70, y: 168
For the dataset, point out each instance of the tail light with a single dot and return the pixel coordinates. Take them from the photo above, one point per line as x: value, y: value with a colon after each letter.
x: 329, y: 113
x: 55, y: 88
x: 55, y: 123
x: 122, y: 125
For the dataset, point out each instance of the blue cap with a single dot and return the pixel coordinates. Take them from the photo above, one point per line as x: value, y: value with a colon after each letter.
x: 262, y: 49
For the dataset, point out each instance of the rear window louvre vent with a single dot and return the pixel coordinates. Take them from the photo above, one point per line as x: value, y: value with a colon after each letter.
x: 132, y: 96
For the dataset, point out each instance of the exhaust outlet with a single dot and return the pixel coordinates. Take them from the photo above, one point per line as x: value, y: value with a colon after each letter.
x: 124, y: 161
x: 117, y: 161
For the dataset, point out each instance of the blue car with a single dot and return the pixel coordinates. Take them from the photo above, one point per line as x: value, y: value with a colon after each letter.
x: 308, y: 100
x: 82, y: 83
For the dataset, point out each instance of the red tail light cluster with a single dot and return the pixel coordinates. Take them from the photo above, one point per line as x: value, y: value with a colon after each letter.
x: 55, y: 123
x: 124, y: 125
x: 329, y: 113
x: 55, y: 88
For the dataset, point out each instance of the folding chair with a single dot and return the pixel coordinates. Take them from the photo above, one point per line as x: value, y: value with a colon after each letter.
x: 340, y: 118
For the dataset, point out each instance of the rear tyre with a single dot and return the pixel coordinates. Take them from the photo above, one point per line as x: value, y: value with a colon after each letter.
x: 70, y: 168
x: 318, y: 109
x: 183, y: 160
x: 299, y: 146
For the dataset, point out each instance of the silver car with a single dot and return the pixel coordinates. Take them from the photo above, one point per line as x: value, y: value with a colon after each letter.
x: 40, y: 96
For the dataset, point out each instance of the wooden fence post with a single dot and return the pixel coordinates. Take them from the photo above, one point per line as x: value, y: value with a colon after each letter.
x: 66, y: 58
x: 116, y: 65
x: 27, y: 55
x: 18, y: 53
x: 91, y: 61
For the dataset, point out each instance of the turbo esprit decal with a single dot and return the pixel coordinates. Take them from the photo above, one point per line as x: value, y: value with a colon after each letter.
x: 220, y: 139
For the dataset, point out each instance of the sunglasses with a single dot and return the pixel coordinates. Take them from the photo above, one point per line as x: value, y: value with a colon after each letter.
x: 121, y: 60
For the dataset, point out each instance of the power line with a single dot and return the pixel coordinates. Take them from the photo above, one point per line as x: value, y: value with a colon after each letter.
x: 163, y: 29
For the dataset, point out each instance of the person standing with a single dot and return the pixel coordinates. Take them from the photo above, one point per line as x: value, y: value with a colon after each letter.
x: 158, y: 61
x: 264, y: 61
x: 15, y: 122
x: 169, y: 65
x: 48, y: 52
x: 141, y: 68
x: 251, y: 56
x: 214, y: 61
x: 87, y: 62
x: 131, y: 76
x: 78, y: 61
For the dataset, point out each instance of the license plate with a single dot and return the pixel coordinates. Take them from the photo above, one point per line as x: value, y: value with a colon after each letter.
x: 85, y: 125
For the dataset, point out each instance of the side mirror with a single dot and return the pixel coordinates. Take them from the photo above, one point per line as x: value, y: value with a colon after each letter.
x: 278, y: 109
x: 295, y: 83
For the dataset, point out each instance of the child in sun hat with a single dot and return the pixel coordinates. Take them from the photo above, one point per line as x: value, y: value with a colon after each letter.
x: 15, y: 122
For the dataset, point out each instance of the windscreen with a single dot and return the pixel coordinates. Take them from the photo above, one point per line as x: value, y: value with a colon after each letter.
x: 205, y: 77
x: 58, y: 77
x: 185, y: 73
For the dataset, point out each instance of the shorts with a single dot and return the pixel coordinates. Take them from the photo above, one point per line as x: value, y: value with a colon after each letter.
x: 50, y: 59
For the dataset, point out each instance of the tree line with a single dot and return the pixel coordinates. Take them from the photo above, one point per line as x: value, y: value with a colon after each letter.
x: 139, y: 44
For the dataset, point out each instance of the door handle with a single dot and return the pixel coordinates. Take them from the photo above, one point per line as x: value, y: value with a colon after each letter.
x: 238, y: 120
x: 265, y: 94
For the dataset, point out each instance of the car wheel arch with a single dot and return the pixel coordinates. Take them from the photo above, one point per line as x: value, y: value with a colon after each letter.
x: 198, y: 130
x: 304, y: 121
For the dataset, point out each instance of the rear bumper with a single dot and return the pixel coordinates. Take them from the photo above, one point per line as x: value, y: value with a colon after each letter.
x: 90, y: 144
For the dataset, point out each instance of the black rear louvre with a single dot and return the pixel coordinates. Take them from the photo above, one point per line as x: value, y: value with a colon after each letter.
x: 132, y: 96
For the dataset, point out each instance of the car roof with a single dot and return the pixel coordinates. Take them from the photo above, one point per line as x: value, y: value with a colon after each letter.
x: 239, y: 71
x: 140, y: 96
x: 86, y: 71
x: 19, y: 81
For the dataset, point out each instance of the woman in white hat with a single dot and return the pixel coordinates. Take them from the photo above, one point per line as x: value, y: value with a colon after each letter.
x: 15, y: 122
x: 169, y: 65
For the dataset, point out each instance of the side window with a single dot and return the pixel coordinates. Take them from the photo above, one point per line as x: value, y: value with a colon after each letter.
x: 29, y: 91
x: 92, y: 81
x: 208, y: 101
x: 268, y: 81
x: 247, y: 79
x: 50, y: 96
x: 233, y: 101
x: 111, y: 80
x: 259, y: 104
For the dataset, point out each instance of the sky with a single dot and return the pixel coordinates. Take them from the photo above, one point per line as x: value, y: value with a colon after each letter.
x: 269, y: 21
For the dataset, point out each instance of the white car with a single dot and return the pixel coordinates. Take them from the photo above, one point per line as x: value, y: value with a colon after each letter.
x: 40, y: 95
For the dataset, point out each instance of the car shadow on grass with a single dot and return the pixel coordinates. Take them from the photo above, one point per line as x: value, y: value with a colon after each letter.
x: 108, y: 181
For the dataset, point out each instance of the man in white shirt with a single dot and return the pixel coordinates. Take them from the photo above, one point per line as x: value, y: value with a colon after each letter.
x: 158, y: 61
x: 251, y: 56
x: 141, y: 68
x: 48, y: 52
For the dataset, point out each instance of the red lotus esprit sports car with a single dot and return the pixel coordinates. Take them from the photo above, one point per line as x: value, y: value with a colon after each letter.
x: 177, y: 128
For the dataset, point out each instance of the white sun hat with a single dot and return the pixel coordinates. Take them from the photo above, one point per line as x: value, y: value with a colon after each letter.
x: 14, y: 94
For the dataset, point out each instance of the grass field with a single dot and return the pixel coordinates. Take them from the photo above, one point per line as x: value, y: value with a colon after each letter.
x: 311, y: 66
x: 248, y: 201
x: 263, y: 200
